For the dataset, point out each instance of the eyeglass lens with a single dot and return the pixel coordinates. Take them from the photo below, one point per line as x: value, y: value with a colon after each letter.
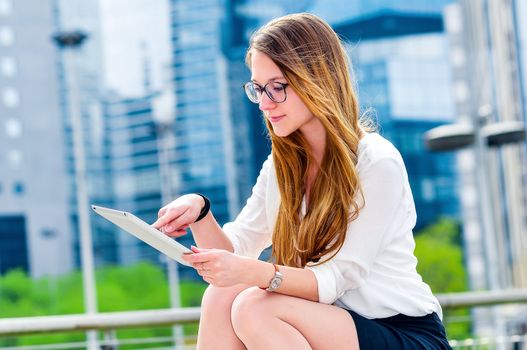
x: 275, y: 91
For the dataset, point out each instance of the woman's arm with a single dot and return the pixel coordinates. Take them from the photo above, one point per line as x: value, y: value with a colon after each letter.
x: 296, y: 282
x: 176, y: 217
x: 223, y: 269
x: 208, y: 234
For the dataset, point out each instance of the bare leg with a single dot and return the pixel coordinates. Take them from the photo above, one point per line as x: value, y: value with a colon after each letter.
x: 265, y: 320
x: 215, y: 328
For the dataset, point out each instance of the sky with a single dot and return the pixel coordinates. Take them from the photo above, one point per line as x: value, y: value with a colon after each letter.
x: 131, y: 31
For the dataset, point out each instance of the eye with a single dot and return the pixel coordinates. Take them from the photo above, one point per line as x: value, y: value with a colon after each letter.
x: 278, y: 87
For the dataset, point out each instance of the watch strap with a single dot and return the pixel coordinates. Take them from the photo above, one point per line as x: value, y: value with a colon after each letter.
x: 275, y: 282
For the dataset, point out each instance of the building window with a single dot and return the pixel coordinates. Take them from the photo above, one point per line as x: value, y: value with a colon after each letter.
x: 11, y: 97
x: 14, y: 157
x: 8, y: 66
x: 5, y: 7
x: 18, y: 188
x: 48, y: 233
x: 7, y: 36
x: 13, y: 128
x: 13, y: 243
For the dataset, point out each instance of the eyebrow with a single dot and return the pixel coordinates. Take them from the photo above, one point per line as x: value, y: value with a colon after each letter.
x: 273, y: 78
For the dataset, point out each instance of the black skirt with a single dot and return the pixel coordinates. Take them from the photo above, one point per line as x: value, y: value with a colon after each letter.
x: 401, y: 332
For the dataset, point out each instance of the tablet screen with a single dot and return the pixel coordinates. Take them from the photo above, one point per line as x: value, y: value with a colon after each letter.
x: 142, y: 230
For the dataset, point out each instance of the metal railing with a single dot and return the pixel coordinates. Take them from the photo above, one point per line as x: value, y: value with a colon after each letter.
x: 483, y: 298
x: 100, y: 321
x: 109, y: 322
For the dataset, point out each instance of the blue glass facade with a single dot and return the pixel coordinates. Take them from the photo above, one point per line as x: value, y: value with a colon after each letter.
x: 252, y: 143
x: 432, y: 175
x: 403, y: 81
x: 199, y: 70
x: 131, y: 175
x: 339, y: 11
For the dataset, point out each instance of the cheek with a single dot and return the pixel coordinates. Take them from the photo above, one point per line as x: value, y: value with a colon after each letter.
x: 298, y: 105
x: 302, y: 111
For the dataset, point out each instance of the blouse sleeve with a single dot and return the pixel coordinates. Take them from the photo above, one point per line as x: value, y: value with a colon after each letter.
x: 249, y: 232
x: 383, y: 185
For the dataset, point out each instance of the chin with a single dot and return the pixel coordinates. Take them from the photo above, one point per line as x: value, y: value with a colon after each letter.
x: 282, y: 133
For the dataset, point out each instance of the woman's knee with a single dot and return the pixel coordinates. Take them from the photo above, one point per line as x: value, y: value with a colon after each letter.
x: 248, y: 309
x: 219, y: 298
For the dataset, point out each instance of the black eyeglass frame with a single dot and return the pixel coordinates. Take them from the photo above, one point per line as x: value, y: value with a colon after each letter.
x: 264, y: 88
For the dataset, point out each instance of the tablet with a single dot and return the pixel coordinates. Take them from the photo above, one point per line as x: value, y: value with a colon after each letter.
x: 137, y: 227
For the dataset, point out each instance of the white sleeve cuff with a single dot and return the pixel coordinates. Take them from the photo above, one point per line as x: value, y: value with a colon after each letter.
x: 230, y: 230
x: 233, y: 238
x: 327, y: 282
x: 335, y: 278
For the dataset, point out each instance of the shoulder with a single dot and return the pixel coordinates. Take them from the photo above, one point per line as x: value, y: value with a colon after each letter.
x: 375, y: 150
x: 268, y: 164
x: 267, y: 170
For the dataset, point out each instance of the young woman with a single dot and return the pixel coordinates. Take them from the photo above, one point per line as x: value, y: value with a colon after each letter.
x: 333, y: 201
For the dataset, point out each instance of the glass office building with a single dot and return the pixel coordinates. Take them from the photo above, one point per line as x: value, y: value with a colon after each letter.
x: 203, y: 155
x: 131, y: 175
x: 34, y: 226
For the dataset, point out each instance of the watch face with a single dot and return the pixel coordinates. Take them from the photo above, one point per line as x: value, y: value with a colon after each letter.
x: 275, y: 283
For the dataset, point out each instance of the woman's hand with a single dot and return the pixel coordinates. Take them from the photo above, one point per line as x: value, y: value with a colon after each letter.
x: 218, y: 267
x: 174, y: 218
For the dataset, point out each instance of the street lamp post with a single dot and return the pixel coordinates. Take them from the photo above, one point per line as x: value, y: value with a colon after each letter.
x: 456, y: 136
x: 163, y: 114
x: 70, y: 43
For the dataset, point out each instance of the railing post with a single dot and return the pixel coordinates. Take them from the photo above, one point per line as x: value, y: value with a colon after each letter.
x: 110, y: 340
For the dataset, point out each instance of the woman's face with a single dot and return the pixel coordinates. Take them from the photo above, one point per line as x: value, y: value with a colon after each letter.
x: 285, y: 117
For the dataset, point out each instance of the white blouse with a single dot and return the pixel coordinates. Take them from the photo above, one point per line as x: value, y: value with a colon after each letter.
x: 374, y: 274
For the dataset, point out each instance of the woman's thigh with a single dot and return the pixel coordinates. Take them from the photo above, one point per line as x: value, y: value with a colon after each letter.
x: 323, y: 326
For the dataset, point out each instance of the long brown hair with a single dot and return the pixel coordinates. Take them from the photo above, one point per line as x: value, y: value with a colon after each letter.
x: 314, y: 63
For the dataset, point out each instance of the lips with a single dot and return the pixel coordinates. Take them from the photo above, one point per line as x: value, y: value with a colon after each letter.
x: 276, y: 119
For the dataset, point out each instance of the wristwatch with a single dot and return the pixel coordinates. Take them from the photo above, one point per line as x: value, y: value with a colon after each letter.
x: 276, y: 281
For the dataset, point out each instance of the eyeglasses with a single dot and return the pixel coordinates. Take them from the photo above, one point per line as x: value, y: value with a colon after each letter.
x: 273, y: 89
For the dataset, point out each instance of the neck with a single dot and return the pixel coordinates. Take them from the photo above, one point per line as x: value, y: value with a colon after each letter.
x: 315, y: 136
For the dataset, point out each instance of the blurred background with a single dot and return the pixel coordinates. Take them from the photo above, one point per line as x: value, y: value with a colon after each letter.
x: 130, y: 103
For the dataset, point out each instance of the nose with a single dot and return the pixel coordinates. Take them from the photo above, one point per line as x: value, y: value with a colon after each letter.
x: 266, y: 103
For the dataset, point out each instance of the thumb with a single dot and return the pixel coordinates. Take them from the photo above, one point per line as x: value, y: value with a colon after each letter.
x: 198, y: 250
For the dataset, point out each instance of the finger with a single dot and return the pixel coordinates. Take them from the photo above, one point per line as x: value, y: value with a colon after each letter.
x: 197, y: 258
x: 204, y: 272
x: 170, y: 215
x: 207, y: 274
x: 160, y: 222
x: 183, y: 220
x: 174, y: 226
x: 199, y: 250
x: 176, y: 234
x: 161, y: 212
x: 197, y: 265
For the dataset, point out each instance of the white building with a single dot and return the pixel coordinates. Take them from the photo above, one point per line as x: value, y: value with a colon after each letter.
x: 34, y: 227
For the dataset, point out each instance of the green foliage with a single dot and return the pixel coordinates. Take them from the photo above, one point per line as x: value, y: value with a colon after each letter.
x: 440, y: 255
x: 139, y: 287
